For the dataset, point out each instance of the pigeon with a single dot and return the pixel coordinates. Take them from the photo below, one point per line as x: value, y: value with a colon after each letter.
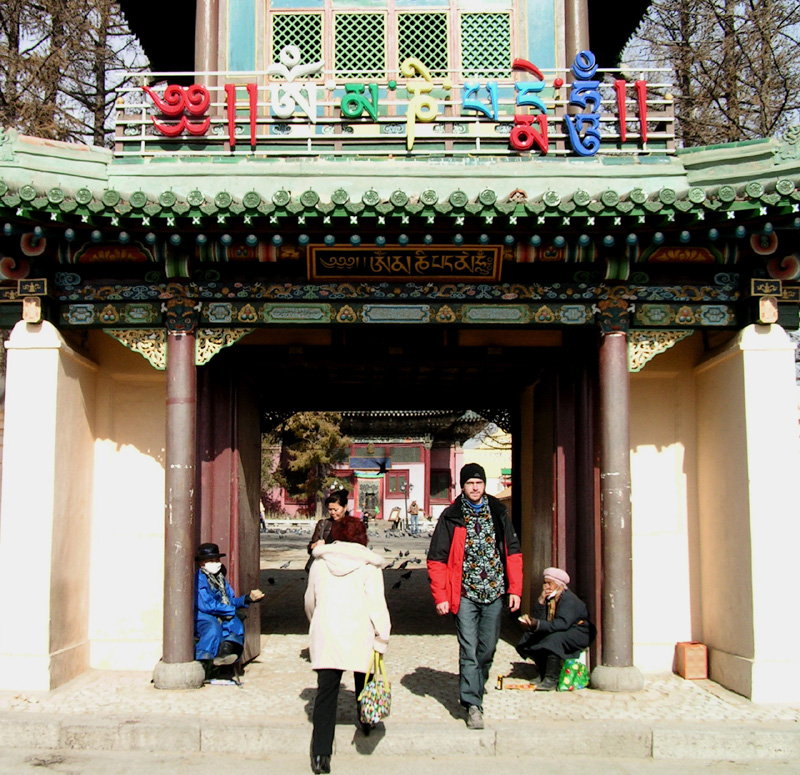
x: 286, y: 564
x: 382, y: 464
x: 416, y: 560
x: 408, y: 551
x: 406, y: 575
x: 389, y: 566
x: 403, y: 565
x: 270, y: 581
x: 386, y: 550
x: 397, y: 586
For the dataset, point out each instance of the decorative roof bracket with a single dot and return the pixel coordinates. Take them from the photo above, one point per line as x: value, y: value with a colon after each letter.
x: 645, y: 344
x: 151, y: 343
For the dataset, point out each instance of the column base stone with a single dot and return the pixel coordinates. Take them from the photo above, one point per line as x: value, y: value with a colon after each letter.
x: 178, y: 675
x: 617, y: 679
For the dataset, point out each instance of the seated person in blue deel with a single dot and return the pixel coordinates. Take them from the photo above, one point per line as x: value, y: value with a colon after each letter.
x: 218, y: 613
x: 558, y: 629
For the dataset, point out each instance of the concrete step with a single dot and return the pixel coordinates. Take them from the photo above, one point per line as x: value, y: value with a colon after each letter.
x: 778, y: 741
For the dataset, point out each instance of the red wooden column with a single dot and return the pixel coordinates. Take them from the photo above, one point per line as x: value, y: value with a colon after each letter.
x: 178, y: 668
x: 616, y: 672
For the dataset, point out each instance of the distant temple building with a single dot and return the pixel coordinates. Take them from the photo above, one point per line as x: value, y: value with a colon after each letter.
x: 400, y: 456
x: 321, y: 206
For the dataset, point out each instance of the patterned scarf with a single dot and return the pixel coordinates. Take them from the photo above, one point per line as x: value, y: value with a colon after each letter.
x: 217, y: 581
x: 482, y: 574
x: 552, y: 604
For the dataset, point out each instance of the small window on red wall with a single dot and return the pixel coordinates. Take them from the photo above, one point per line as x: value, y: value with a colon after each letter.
x: 440, y: 486
x: 396, y: 482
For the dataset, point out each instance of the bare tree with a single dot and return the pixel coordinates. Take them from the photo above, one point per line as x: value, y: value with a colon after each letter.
x: 110, y: 53
x: 60, y: 62
x: 32, y: 56
x: 735, y: 64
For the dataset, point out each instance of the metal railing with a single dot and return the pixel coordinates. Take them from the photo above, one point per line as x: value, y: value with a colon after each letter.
x: 411, y: 115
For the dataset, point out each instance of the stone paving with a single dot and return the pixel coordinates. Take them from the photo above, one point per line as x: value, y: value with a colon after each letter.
x: 422, y: 661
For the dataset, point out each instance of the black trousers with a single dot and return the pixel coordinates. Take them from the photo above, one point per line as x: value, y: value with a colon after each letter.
x: 328, y: 681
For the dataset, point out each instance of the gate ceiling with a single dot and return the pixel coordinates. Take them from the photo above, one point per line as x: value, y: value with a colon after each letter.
x: 390, y: 369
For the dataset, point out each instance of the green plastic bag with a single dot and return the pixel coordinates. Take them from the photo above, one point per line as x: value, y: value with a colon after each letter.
x: 574, y: 675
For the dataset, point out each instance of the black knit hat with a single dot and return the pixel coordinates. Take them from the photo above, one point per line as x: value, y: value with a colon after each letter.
x: 472, y: 471
x: 208, y: 552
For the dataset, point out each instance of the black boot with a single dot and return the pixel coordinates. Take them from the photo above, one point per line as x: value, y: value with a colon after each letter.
x: 320, y: 764
x: 366, y: 727
x: 228, y: 653
x: 539, y: 665
x: 551, y: 673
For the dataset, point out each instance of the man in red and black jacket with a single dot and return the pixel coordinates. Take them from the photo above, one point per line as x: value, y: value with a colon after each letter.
x: 473, y: 561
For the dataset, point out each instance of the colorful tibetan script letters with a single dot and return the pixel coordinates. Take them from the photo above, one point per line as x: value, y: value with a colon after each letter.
x: 293, y: 92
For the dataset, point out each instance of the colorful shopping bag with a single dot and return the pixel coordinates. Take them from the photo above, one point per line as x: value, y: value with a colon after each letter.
x: 375, y: 701
x: 574, y: 675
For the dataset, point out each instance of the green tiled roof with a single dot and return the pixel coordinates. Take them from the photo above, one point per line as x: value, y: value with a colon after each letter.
x: 53, y: 183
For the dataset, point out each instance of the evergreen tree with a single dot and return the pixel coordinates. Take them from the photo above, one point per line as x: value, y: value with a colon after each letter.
x: 312, y: 443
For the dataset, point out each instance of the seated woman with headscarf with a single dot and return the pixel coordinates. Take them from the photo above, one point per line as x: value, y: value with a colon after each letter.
x: 558, y: 629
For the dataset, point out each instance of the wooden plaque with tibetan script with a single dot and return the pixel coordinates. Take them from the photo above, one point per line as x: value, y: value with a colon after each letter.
x: 467, y: 263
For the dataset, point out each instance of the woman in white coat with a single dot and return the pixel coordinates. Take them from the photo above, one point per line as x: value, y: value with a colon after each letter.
x: 349, y: 619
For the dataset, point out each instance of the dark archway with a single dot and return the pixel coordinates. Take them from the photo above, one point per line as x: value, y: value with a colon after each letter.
x: 542, y: 382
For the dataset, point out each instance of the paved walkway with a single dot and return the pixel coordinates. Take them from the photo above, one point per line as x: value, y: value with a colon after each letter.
x: 271, y: 709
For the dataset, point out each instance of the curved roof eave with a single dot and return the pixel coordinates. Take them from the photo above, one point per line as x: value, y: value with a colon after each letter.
x: 58, y: 178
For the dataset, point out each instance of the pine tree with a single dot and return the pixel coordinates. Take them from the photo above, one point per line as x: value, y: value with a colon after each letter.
x: 312, y: 443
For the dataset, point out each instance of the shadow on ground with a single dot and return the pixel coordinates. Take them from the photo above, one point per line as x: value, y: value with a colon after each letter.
x: 439, y: 684
x: 283, y: 579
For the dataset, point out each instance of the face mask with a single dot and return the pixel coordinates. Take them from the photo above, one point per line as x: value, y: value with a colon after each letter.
x: 213, y: 567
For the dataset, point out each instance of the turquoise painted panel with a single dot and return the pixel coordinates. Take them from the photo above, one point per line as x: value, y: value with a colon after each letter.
x: 489, y: 5
x: 541, y: 15
x: 351, y: 4
x: 306, y: 5
x: 421, y: 4
x: 242, y: 34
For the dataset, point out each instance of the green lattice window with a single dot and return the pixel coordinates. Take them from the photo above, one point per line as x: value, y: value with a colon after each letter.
x: 486, y: 45
x: 360, y: 45
x: 424, y: 36
x: 303, y: 30
x: 406, y: 455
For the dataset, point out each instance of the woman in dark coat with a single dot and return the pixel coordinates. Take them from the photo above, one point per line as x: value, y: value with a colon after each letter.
x: 336, y: 504
x: 559, y: 629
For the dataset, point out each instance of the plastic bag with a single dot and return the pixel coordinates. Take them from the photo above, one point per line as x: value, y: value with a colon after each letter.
x: 574, y: 675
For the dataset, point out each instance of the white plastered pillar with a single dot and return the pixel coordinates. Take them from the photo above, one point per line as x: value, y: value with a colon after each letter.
x: 45, y: 514
x: 748, y: 465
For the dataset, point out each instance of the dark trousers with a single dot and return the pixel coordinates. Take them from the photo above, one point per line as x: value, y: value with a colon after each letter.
x: 328, y: 681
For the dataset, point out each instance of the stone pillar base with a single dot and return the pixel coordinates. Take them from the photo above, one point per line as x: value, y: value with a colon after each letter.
x: 179, y: 675
x: 617, y: 679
